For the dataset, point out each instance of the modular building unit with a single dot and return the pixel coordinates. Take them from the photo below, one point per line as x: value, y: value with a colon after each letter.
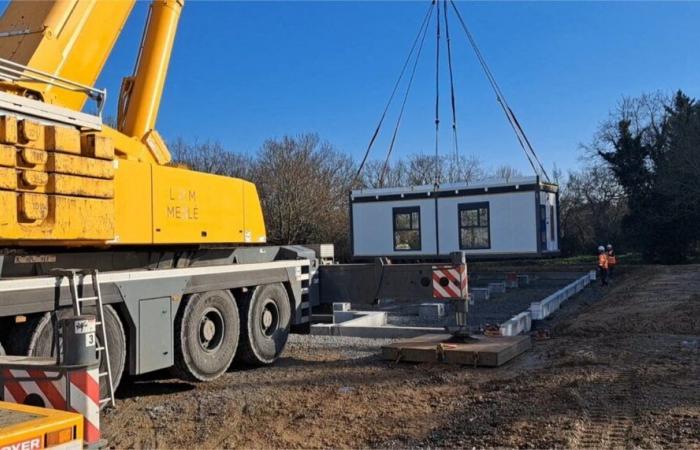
x: 492, y: 218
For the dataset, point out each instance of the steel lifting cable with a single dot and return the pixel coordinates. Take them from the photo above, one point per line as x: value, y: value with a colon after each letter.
x: 519, y: 132
x: 437, y: 95
x: 424, y: 32
x: 452, y: 84
x: 424, y: 23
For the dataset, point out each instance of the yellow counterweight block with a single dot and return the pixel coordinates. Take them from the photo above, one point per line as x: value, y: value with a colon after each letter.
x: 169, y: 205
x: 195, y: 207
x: 55, y: 184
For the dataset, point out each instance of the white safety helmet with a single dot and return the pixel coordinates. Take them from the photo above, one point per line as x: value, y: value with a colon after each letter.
x: 609, y: 246
x: 601, y: 248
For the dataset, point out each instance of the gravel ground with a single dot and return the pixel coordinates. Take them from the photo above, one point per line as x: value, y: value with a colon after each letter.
x: 347, y: 347
x: 620, y: 371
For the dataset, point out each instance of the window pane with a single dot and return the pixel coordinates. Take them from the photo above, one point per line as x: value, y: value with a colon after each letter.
x: 407, y: 240
x: 469, y: 218
x: 402, y: 221
x: 415, y: 221
x: 483, y: 217
x: 474, y: 238
x: 467, y: 237
x: 481, y: 237
x: 463, y: 238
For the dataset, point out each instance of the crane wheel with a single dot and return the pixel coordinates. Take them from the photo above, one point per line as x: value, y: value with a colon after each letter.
x: 206, y: 335
x: 265, y: 318
x: 35, y: 337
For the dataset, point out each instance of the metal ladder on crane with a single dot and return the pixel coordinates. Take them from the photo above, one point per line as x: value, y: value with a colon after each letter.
x: 76, y: 277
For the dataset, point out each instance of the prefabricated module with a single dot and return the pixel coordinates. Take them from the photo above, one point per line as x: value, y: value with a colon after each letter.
x: 518, y: 217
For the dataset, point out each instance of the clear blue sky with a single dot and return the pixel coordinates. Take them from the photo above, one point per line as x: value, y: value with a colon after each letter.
x: 242, y: 72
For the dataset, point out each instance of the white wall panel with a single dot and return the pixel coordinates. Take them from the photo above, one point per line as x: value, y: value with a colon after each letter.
x: 373, y: 227
x: 512, y: 222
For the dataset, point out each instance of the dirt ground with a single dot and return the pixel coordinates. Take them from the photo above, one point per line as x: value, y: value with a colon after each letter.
x: 621, y: 370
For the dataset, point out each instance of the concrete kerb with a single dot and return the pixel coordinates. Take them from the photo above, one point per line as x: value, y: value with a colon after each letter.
x: 544, y: 308
x: 519, y: 323
x: 522, y: 323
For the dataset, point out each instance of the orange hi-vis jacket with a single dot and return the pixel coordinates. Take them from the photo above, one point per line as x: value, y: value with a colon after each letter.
x: 602, y: 260
x: 612, y: 260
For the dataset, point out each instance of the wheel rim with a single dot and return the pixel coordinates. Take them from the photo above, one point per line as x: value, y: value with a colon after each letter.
x: 211, y: 330
x: 269, y: 319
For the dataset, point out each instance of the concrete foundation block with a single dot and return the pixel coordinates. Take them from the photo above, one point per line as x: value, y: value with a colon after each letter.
x: 342, y: 306
x: 523, y: 280
x: 360, y: 318
x: 497, y: 288
x: 382, y: 332
x: 511, y: 280
x: 431, y: 311
x: 480, y: 294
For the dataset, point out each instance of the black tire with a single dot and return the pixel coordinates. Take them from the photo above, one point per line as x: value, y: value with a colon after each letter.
x: 206, y: 335
x: 35, y: 337
x: 265, y: 318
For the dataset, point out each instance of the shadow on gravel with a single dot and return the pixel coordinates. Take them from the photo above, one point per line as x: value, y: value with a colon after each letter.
x: 151, y: 384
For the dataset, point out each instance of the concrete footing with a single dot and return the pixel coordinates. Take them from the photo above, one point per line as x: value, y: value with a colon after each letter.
x: 480, y: 294
x: 381, y: 332
x: 511, y: 280
x: 497, y: 288
x: 431, y: 311
x: 523, y: 280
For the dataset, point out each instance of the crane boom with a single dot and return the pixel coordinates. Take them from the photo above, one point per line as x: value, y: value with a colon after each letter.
x: 70, y: 39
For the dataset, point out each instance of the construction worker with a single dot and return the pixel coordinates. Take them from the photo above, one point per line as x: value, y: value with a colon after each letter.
x: 603, y: 265
x: 612, y: 260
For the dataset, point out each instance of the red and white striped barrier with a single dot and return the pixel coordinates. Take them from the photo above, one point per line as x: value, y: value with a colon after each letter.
x: 450, y: 281
x: 56, y: 388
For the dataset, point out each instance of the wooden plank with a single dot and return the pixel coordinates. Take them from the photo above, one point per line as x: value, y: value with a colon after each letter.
x: 486, y: 351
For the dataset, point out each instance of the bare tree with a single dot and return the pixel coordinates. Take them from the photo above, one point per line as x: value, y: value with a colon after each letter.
x: 304, y: 186
x: 421, y: 170
x: 460, y: 168
x: 210, y: 157
x: 592, y: 209
x: 375, y: 175
x: 506, y: 172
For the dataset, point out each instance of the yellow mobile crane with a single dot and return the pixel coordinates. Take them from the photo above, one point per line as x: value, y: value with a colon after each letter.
x: 163, y: 248
x: 66, y: 179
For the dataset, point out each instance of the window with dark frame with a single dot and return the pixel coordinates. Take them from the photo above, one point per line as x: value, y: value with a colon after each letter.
x: 407, y: 228
x: 474, y: 226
